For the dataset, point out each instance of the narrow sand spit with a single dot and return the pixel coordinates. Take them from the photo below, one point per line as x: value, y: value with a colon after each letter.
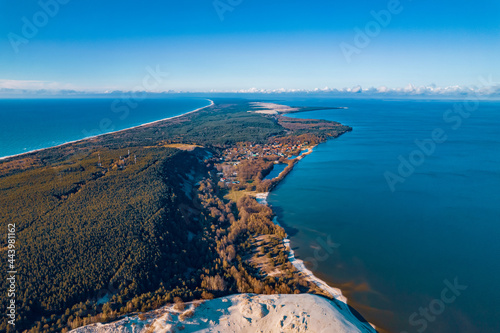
x: 95, y: 136
x: 249, y: 312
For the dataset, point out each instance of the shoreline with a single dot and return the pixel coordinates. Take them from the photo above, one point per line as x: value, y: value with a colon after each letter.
x: 299, y: 264
x: 113, y: 132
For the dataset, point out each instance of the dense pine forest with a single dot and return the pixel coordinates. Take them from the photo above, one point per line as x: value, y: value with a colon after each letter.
x: 133, y: 220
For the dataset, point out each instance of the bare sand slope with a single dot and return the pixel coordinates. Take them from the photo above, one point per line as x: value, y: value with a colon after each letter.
x: 272, y: 108
x: 240, y: 313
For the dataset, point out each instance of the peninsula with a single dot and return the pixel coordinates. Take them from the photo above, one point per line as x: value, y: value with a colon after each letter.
x: 164, y: 216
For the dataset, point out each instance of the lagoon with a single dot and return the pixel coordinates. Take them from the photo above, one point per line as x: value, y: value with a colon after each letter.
x: 400, y: 249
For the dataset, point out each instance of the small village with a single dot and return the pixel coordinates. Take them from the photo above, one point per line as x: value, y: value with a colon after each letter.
x: 276, y: 152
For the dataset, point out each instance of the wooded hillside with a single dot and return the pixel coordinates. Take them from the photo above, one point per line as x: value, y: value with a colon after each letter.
x: 124, y: 223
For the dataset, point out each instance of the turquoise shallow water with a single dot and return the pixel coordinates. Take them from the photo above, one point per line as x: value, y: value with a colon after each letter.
x: 391, y: 252
x: 29, y: 124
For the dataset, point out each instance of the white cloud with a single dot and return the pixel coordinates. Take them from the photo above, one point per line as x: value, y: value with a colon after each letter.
x: 356, y: 89
x: 487, y: 89
x: 33, y: 85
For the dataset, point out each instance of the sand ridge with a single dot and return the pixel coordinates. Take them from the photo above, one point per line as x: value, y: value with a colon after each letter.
x: 240, y: 313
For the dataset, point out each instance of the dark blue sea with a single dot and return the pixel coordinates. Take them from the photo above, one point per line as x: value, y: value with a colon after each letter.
x: 30, y: 124
x: 403, y: 213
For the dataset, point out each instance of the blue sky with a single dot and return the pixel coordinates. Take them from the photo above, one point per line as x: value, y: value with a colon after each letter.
x: 108, y: 45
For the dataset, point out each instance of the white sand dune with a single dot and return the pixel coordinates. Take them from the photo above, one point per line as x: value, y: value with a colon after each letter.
x: 242, y: 313
x: 272, y: 108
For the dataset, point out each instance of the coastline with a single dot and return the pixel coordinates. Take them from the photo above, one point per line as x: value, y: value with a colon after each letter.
x: 299, y: 264
x: 113, y: 132
x: 181, y: 166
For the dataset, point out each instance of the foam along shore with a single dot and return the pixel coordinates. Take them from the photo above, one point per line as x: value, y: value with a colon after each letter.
x: 240, y: 313
x: 301, y: 267
x: 122, y: 130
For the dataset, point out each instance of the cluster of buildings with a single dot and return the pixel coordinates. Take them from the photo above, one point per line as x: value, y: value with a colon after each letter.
x: 237, y: 154
x: 232, y: 157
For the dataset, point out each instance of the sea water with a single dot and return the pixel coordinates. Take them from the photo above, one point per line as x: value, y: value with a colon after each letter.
x: 30, y: 124
x: 415, y: 254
